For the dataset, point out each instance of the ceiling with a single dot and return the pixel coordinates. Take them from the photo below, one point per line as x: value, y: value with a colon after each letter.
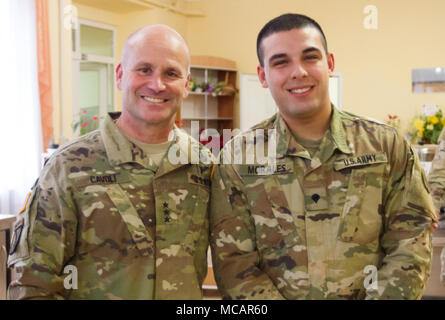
x: 117, y: 6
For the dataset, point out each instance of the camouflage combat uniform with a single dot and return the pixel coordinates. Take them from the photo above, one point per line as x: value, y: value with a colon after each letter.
x: 132, y: 230
x: 309, y: 227
x: 436, y: 179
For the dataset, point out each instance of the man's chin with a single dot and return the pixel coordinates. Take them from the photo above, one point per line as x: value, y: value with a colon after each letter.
x: 300, y: 112
x: 158, y: 119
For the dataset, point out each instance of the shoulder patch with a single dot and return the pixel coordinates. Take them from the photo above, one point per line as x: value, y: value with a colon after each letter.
x: 16, y: 237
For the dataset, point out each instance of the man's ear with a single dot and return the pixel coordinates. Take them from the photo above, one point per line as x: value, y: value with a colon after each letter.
x: 119, y: 76
x: 331, y: 64
x: 262, y: 76
x: 186, y: 91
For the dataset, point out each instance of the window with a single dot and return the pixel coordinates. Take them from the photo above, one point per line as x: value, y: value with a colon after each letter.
x: 93, y: 75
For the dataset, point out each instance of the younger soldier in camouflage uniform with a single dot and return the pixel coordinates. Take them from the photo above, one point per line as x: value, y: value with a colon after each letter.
x: 110, y: 218
x: 345, y: 210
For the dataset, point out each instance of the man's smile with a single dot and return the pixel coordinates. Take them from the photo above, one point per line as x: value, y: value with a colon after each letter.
x: 301, y: 91
x: 154, y: 100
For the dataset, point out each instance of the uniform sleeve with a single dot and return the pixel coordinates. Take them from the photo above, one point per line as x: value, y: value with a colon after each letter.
x: 232, y: 238
x: 436, y: 177
x: 43, y: 241
x: 407, y: 237
x: 442, y: 268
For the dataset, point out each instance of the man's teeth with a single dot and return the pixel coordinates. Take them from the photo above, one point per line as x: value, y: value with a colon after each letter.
x: 301, y: 90
x: 153, y: 99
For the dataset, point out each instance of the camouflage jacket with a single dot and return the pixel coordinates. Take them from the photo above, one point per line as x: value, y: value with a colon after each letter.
x: 355, y: 215
x: 436, y: 179
x: 103, y: 212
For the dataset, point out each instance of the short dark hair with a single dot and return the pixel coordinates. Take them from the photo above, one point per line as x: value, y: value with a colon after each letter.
x: 287, y: 22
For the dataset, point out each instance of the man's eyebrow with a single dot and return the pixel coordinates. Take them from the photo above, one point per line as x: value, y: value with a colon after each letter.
x: 142, y: 64
x: 311, y: 49
x: 277, y: 56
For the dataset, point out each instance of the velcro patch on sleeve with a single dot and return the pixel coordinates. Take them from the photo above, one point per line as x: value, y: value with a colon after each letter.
x: 16, y: 237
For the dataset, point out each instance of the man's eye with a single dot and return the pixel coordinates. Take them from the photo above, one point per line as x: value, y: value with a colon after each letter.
x: 313, y: 57
x: 143, y: 70
x: 172, y: 74
x: 279, y: 62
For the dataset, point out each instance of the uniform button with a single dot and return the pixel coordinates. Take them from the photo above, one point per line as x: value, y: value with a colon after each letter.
x: 315, y: 197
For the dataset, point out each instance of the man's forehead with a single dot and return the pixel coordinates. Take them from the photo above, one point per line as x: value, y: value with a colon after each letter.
x: 157, y: 52
x: 147, y: 41
x: 297, y: 39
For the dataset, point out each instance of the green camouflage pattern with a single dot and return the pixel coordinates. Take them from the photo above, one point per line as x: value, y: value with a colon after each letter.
x: 132, y: 230
x: 309, y: 228
x: 436, y: 179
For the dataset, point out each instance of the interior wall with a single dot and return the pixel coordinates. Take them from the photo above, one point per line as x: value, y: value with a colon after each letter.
x: 376, y: 64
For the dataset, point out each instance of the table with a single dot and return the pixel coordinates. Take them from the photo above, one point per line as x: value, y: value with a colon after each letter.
x: 6, y: 223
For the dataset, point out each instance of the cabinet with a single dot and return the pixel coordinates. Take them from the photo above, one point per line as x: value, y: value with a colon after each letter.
x: 211, y: 96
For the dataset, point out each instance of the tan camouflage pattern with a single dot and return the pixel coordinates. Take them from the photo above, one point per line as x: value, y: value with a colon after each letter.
x: 132, y: 230
x: 436, y: 179
x: 308, y: 230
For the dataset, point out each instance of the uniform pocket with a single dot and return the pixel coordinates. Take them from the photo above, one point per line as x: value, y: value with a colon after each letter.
x: 416, y: 195
x: 133, y: 221
x: 274, y: 223
x: 361, y: 220
x: 109, y: 205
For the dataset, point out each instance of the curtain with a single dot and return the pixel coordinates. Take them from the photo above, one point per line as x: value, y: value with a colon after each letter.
x: 20, y: 128
x: 44, y: 71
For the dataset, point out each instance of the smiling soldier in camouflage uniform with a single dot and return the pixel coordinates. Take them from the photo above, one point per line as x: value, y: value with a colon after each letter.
x: 111, y: 205
x: 345, y: 211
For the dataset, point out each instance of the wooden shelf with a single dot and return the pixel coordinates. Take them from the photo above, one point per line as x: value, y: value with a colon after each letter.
x: 210, y: 94
x: 216, y: 110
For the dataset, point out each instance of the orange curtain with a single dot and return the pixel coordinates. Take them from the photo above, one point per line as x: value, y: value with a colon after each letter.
x: 44, y: 69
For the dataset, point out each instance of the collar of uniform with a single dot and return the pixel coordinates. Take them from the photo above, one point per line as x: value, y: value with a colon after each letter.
x: 183, y: 144
x: 338, y: 131
x: 119, y: 149
x: 117, y: 146
x: 286, y: 144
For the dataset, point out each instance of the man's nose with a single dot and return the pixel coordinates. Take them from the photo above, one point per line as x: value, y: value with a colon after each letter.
x: 156, y: 83
x: 298, y: 71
